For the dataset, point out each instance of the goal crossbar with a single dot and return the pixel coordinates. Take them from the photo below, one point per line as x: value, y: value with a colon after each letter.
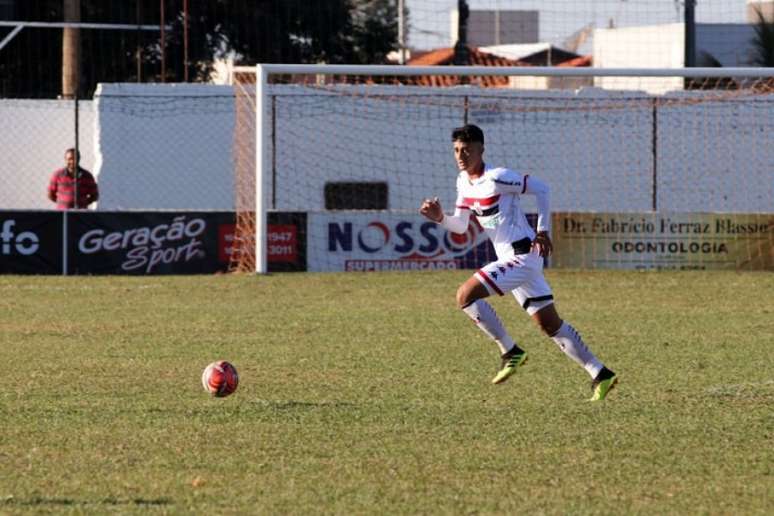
x: 541, y: 71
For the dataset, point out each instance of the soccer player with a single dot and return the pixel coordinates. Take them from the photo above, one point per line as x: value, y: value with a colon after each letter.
x: 492, y: 194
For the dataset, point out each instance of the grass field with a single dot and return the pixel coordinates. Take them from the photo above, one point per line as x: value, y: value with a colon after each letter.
x: 370, y: 394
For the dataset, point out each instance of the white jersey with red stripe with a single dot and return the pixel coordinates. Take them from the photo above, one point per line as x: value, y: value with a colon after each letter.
x: 494, y: 199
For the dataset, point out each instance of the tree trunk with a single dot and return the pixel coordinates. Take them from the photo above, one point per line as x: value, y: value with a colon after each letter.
x: 70, y: 56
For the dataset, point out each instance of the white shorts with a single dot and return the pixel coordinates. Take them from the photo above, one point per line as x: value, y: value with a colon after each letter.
x: 522, y: 275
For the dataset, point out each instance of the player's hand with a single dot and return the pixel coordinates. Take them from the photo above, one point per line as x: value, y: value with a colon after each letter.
x: 543, y: 243
x: 431, y: 209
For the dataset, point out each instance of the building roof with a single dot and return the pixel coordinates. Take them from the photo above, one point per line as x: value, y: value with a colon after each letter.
x: 536, y: 54
x: 579, y: 61
x: 476, y: 57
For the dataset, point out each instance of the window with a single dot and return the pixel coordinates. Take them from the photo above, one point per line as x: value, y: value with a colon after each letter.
x: 356, y: 196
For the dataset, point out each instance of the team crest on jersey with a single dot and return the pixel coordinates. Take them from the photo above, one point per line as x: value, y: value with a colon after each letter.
x: 484, y: 207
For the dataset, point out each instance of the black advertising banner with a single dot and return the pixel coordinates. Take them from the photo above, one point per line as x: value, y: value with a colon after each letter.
x: 286, y: 241
x: 139, y: 243
x: 31, y: 242
x: 145, y: 243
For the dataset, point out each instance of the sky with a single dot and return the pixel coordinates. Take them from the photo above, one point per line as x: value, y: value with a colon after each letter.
x: 430, y: 19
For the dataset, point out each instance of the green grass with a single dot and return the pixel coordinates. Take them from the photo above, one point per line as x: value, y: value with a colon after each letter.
x: 371, y: 394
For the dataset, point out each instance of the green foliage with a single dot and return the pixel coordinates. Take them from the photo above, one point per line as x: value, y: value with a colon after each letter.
x: 763, y: 42
x: 370, y: 394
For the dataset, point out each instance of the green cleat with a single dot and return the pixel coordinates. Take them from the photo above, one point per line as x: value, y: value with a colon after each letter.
x: 603, y: 384
x: 511, y: 360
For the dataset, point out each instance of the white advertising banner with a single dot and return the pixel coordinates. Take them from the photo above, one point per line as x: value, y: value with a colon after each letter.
x: 382, y: 241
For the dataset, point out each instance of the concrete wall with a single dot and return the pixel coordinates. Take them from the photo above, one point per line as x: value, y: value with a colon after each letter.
x: 594, y: 147
x: 514, y: 26
x: 663, y: 46
x: 653, y: 46
x: 164, y: 146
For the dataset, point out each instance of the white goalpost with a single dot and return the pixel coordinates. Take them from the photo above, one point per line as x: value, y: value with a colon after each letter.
x: 640, y: 161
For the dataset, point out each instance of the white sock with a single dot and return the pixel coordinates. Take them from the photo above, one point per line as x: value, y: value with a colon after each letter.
x: 485, y: 318
x: 571, y: 343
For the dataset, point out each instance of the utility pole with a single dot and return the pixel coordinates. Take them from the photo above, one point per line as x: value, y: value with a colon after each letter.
x: 461, y: 57
x: 401, y: 32
x: 138, y: 50
x: 690, y: 33
x: 71, y: 39
x: 163, y: 46
x: 497, y: 23
x: 185, y: 40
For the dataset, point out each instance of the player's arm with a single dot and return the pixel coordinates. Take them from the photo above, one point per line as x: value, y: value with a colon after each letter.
x: 457, y: 223
x: 541, y: 191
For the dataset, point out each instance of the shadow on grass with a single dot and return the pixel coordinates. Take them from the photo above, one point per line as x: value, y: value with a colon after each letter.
x: 43, y: 501
x: 257, y: 407
x: 301, y: 405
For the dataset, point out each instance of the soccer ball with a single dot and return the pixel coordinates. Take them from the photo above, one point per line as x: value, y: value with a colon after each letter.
x: 220, y: 379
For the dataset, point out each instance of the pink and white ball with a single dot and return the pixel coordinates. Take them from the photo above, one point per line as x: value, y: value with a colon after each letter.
x: 220, y: 379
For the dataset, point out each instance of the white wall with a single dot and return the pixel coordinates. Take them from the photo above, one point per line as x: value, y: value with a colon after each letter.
x: 33, y: 140
x: 171, y: 146
x: 595, y: 147
x: 663, y: 46
x: 652, y: 46
x: 164, y: 146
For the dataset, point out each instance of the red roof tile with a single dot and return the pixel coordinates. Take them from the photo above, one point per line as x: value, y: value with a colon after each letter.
x: 445, y: 57
x: 577, y: 61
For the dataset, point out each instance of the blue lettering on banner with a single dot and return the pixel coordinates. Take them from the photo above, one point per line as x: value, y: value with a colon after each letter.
x: 339, y: 237
x: 379, y: 233
x: 403, y: 237
x: 427, y: 229
x: 402, y: 230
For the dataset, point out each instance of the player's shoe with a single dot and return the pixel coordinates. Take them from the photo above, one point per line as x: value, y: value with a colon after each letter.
x: 511, y: 360
x: 603, y: 384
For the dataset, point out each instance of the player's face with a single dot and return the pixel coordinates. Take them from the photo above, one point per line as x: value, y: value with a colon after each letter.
x: 468, y: 155
x: 70, y: 160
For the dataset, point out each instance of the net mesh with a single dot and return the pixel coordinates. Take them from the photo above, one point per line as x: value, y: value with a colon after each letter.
x: 645, y: 171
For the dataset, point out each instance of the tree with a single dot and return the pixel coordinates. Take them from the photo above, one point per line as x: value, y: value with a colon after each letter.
x: 286, y: 31
x: 375, y: 31
x: 269, y: 31
x: 763, y: 41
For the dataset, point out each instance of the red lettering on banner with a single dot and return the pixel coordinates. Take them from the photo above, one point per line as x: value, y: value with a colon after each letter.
x: 226, y: 242
x: 401, y: 264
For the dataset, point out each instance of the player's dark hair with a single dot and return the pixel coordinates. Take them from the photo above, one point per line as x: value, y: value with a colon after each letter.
x: 468, y: 133
x: 72, y: 149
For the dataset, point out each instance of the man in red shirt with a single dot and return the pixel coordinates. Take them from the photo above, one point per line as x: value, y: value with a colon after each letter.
x: 61, y: 187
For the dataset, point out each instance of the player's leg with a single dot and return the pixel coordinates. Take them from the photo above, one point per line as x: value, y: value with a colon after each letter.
x: 536, y: 297
x: 571, y: 343
x: 567, y: 338
x: 471, y: 299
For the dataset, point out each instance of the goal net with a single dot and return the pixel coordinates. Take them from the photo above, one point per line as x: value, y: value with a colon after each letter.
x: 668, y: 169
